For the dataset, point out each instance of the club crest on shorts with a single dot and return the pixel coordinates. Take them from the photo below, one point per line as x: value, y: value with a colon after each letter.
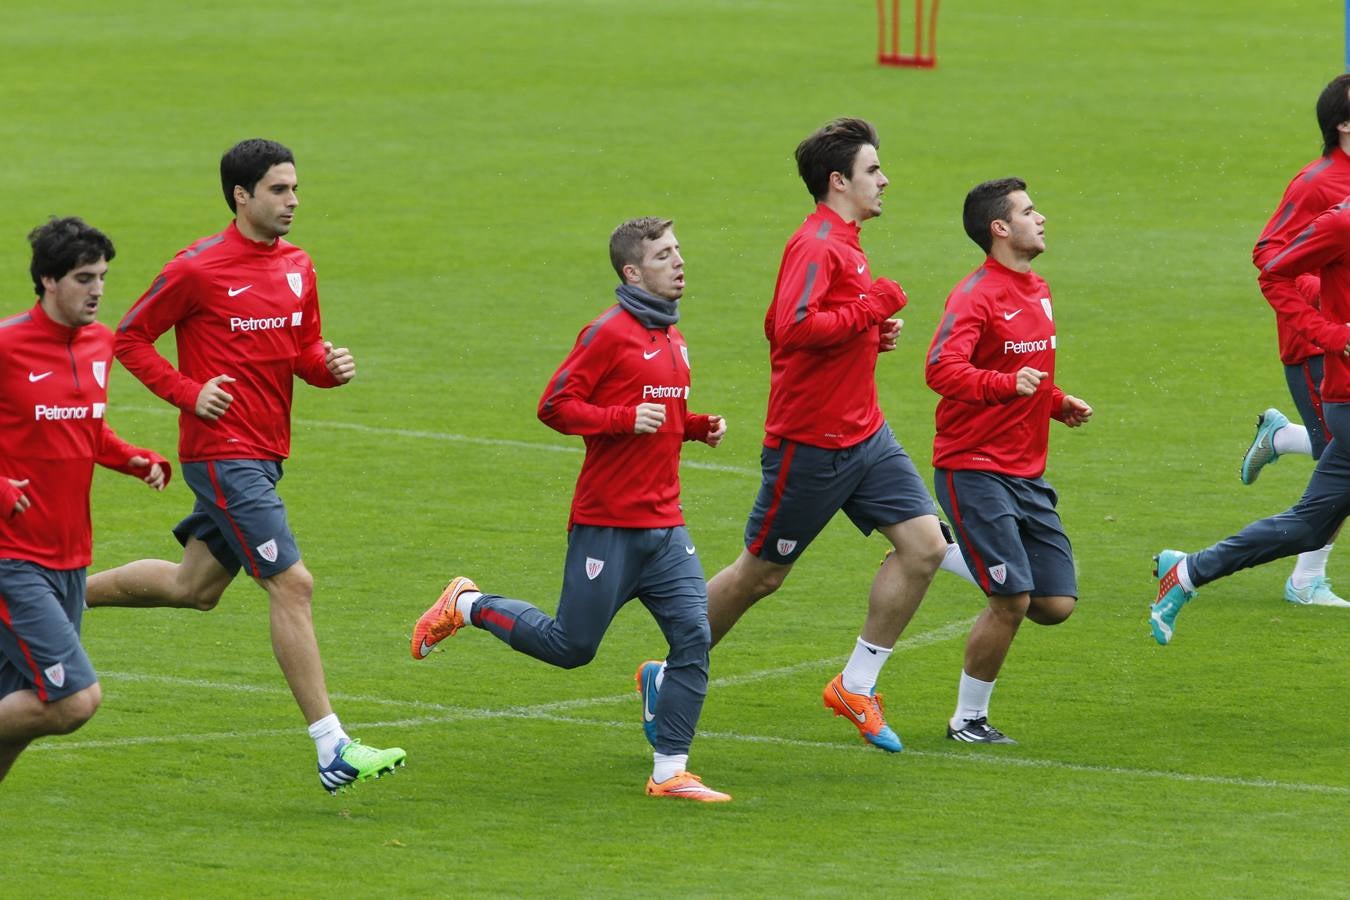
x: 101, y: 372
x: 999, y: 572
x: 56, y: 674
x: 594, y: 567
x: 293, y: 279
x: 268, y: 550
x: 1045, y: 305
x: 785, y: 546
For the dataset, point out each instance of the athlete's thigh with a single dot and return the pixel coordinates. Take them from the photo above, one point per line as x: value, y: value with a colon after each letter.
x: 40, y: 645
x: 672, y: 584
x: 890, y: 489
x: 801, y: 489
x: 1047, y: 544
x: 240, y: 498
x: 1305, y: 387
x: 983, y: 511
x: 600, y: 575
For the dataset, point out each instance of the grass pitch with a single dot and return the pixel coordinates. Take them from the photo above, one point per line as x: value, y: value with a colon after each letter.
x: 461, y: 167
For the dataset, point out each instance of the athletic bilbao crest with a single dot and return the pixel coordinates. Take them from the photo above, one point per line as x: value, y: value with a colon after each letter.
x: 101, y: 372
x: 268, y: 550
x: 1045, y: 305
x: 594, y: 567
x: 785, y: 546
x: 293, y: 279
x: 56, y: 674
x: 1000, y: 571
x: 684, y: 351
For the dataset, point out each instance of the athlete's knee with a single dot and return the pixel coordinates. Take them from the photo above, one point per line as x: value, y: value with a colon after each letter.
x: 69, y: 713
x: 690, y: 640
x: 574, y: 656
x: 1051, y: 610
x: 293, y: 586
x: 758, y: 579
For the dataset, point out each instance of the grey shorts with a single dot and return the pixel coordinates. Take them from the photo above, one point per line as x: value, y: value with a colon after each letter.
x: 1009, y: 532
x: 874, y: 482
x: 239, y: 515
x: 40, y: 650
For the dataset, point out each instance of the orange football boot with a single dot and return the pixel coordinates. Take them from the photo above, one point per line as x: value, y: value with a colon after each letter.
x: 441, y: 620
x: 686, y: 787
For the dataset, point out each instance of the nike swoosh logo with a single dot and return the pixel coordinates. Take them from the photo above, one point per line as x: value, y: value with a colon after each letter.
x: 860, y: 716
x: 235, y: 292
x: 862, y: 268
x: 1008, y: 317
x: 648, y: 714
x: 689, y: 550
x: 32, y: 377
x: 650, y: 355
x: 426, y: 648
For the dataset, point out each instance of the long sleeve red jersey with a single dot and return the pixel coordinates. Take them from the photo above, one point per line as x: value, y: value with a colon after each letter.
x: 1317, y: 187
x: 52, y: 431
x: 627, y: 480
x: 996, y: 321
x: 1323, y: 249
x: 824, y: 334
x: 241, y: 308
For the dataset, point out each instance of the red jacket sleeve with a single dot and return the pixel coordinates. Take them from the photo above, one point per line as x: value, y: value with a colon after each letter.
x: 115, y: 453
x: 1322, y: 242
x: 696, y: 427
x: 800, y: 323
x: 311, y: 366
x: 950, y: 371
x: 565, y: 405
x: 168, y: 300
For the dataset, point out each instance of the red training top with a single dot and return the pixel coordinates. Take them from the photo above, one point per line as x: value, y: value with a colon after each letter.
x: 1317, y: 187
x: 824, y: 334
x: 996, y: 321
x: 52, y: 431
x: 1323, y: 248
x: 627, y: 480
x: 241, y: 308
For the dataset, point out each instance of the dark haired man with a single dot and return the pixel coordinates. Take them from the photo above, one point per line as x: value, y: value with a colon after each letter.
x: 624, y: 388
x: 54, y: 362
x: 827, y: 446
x: 1304, y: 335
x: 992, y: 361
x: 1321, y: 249
x: 244, y: 308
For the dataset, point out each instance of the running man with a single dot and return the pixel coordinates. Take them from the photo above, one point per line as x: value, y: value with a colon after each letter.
x: 992, y: 361
x: 624, y: 388
x: 827, y: 446
x: 54, y: 365
x: 244, y: 307
x: 1305, y: 336
x: 1322, y: 249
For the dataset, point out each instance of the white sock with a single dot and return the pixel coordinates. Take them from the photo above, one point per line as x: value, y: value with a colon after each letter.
x: 327, y: 734
x: 955, y: 563
x: 1292, y: 438
x: 660, y: 675
x: 864, y: 667
x: 1310, y: 567
x: 665, y: 767
x: 464, y: 603
x: 972, y: 700
x: 1184, y: 576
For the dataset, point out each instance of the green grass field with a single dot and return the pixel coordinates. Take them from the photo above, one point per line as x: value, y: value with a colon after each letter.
x: 462, y: 165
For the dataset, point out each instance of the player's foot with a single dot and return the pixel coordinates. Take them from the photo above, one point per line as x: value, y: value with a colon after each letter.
x: 686, y: 787
x: 864, y: 711
x: 357, y: 762
x: 978, y: 731
x: 648, y: 691
x: 1162, y: 615
x: 1262, y: 451
x: 1319, y: 593
x: 441, y: 620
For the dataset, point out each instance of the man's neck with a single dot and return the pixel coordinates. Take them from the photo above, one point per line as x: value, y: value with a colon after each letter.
x: 1010, y: 259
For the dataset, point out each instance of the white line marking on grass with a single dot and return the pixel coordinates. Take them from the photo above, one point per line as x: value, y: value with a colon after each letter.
x: 450, y: 437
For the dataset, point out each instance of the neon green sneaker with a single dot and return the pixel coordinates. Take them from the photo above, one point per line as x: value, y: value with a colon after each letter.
x: 1262, y: 451
x: 357, y: 762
